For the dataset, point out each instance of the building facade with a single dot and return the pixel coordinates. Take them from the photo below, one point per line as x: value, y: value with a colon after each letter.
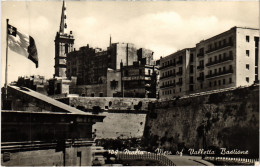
x: 99, y: 72
x: 138, y: 80
x: 177, y: 73
x: 229, y: 59
x: 63, y: 44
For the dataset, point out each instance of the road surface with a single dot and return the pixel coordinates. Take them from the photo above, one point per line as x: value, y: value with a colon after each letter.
x: 188, y: 160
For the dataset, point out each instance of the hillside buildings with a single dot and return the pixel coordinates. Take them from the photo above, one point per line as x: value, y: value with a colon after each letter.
x: 229, y: 59
x: 112, y: 73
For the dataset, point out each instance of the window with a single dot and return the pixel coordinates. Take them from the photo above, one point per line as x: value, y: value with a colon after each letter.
x: 113, y: 84
x: 230, y: 39
x: 247, y: 53
x: 210, y: 84
x: 140, y: 71
x: 92, y: 94
x: 224, y: 55
x: 180, y: 89
x: 210, y: 72
x: 215, y: 83
x: 219, y: 43
x: 224, y: 41
x: 191, y: 80
x: 210, y: 60
x: 191, y: 68
x: 215, y: 71
x: 219, y: 82
x: 100, y: 94
x: 201, y: 86
x: 191, y: 88
x: 230, y: 67
x: 219, y: 70
x: 247, y: 66
x: 224, y: 81
x: 191, y: 57
x: 230, y: 80
x: 216, y: 58
x: 247, y: 79
x: 247, y: 38
x: 126, y: 72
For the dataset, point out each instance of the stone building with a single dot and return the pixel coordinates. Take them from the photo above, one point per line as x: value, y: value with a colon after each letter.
x: 63, y: 44
x: 34, y: 82
x: 138, y: 80
x: 177, y: 73
x: 98, y: 71
x: 229, y: 59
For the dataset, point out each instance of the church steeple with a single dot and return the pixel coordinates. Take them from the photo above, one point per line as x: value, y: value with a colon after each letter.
x: 63, y: 22
x: 63, y: 45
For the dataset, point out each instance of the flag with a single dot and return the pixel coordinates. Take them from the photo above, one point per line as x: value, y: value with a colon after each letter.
x: 22, y: 44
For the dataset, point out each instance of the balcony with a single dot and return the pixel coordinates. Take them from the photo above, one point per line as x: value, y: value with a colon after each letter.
x: 179, y: 62
x: 179, y: 83
x: 167, y: 86
x: 219, y: 74
x: 220, y: 47
x: 200, y: 55
x: 229, y: 58
x: 168, y: 76
x: 179, y: 73
x: 200, y: 67
x: 170, y: 65
x: 200, y: 78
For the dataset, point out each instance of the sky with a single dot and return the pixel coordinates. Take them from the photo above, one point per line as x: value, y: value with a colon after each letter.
x: 161, y: 26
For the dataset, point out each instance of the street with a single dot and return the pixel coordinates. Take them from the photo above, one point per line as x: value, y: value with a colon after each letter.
x: 188, y: 160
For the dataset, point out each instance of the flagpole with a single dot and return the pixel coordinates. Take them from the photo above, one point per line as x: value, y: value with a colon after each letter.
x: 6, y: 61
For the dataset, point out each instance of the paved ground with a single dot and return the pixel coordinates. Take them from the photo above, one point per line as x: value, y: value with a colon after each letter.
x: 188, y: 160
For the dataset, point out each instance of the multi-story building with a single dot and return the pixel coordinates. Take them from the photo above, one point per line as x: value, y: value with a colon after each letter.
x: 138, y: 80
x: 177, y: 73
x: 229, y: 59
x: 98, y: 71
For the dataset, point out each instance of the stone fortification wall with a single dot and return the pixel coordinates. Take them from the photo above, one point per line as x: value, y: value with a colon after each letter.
x: 120, y: 125
x: 223, y: 120
x: 108, y: 103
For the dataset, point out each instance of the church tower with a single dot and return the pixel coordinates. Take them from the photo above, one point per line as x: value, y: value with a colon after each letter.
x: 63, y: 44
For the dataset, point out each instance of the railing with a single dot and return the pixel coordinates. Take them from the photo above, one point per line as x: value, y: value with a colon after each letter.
x: 179, y: 73
x: 166, y: 86
x: 245, y: 161
x: 167, y: 76
x: 179, y: 62
x: 200, y: 78
x: 220, y: 47
x: 220, y: 61
x: 179, y: 83
x: 170, y: 65
x: 146, y: 156
x: 200, y: 55
x: 218, y: 74
x: 200, y: 67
